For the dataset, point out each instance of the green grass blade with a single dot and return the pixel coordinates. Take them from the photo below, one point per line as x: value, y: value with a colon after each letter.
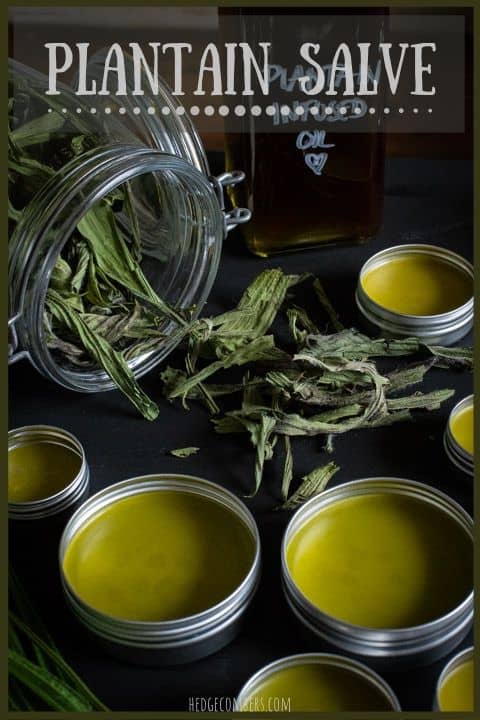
x: 68, y: 674
x: 55, y: 693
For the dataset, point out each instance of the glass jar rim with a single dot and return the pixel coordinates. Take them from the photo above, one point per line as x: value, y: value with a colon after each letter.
x: 173, y: 132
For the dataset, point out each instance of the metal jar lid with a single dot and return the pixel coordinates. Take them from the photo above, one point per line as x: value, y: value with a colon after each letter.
x: 66, y: 498
x: 459, y: 659
x: 442, y: 329
x: 400, y: 647
x: 460, y: 457
x: 170, y: 641
x: 362, y: 671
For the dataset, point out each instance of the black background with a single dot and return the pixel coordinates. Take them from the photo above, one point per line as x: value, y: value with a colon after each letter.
x: 426, y: 201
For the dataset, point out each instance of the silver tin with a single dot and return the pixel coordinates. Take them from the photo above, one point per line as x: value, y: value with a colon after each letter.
x: 383, y: 648
x: 455, y: 452
x: 353, y: 666
x: 67, y: 498
x: 453, y: 664
x: 173, y: 641
x: 443, y: 329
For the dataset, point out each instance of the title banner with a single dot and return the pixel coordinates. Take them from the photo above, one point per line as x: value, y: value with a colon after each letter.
x: 283, y: 73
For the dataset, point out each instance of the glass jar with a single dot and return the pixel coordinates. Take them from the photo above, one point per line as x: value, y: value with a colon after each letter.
x: 144, y: 145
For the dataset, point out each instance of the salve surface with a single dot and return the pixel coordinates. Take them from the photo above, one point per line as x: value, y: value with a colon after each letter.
x: 315, y: 687
x: 418, y: 284
x: 159, y: 555
x: 39, y: 470
x: 382, y: 561
x: 456, y: 692
x: 461, y: 425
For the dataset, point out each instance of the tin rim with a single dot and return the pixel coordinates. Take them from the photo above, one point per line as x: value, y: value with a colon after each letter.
x: 331, y: 659
x: 455, y: 458
x: 163, y: 633
x: 447, y: 256
x: 34, y: 509
x: 385, y: 638
x: 383, y: 650
x: 457, y: 660
x: 426, y: 331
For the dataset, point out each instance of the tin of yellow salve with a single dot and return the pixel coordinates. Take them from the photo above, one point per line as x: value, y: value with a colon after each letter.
x: 316, y: 682
x: 419, y: 290
x: 455, y: 687
x: 459, y: 435
x: 382, y: 568
x: 47, y: 472
x: 462, y: 428
x: 161, y: 567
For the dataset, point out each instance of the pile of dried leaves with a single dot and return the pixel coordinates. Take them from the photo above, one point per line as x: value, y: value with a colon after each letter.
x: 326, y: 384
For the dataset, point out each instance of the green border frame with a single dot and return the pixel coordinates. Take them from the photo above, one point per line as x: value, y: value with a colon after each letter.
x: 413, y: 4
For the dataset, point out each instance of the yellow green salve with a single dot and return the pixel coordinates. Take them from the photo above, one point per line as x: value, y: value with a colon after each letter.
x: 382, y: 560
x: 38, y: 470
x: 418, y: 284
x: 461, y: 424
x: 456, y: 691
x: 159, y: 555
x: 311, y: 686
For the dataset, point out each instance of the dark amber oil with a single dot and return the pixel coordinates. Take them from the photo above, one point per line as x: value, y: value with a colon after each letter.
x: 295, y: 208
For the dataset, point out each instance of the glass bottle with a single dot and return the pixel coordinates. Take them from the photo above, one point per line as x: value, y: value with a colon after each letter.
x: 307, y: 184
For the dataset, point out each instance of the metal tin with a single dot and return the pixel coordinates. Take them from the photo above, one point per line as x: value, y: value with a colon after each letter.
x: 445, y: 328
x: 67, y: 498
x: 172, y: 641
x: 384, y: 648
x: 456, y: 453
x: 453, y: 664
x: 353, y: 666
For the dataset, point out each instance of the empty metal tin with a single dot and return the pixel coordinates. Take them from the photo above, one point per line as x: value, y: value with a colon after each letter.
x: 383, y: 648
x: 359, y: 669
x: 458, y: 455
x: 442, y: 329
x: 64, y: 500
x: 172, y: 641
x: 453, y: 664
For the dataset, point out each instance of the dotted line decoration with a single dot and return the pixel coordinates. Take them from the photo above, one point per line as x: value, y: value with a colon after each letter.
x: 242, y: 110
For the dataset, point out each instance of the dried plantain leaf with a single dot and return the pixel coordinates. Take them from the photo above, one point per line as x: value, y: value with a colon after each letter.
x: 312, y: 484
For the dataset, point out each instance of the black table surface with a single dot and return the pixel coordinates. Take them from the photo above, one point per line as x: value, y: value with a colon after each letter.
x: 425, y: 201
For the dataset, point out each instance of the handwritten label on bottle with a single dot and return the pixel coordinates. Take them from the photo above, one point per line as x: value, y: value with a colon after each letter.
x: 314, y: 140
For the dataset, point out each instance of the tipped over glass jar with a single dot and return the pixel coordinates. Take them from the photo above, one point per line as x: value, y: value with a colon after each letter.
x: 116, y: 229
